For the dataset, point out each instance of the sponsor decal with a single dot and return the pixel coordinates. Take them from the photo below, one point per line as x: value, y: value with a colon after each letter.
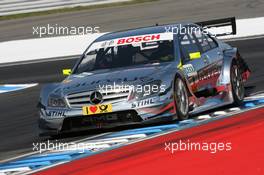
x: 210, y: 73
x: 138, y: 39
x: 108, y: 43
x: 55, y: 113
x: 143, y: 103
x: 195, y: 55
x: 149, y: 38
x: 97, y: 109
x: 189, y: 70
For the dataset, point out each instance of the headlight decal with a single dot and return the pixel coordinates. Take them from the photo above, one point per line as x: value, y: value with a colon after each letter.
x: 56, y: 102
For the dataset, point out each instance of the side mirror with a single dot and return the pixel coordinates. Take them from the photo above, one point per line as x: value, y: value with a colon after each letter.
x: 66, y: 72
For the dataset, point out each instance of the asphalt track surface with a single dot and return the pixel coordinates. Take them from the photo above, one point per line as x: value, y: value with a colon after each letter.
x: 18, y: 121
x: 137, y: 15
x: 18, y: 118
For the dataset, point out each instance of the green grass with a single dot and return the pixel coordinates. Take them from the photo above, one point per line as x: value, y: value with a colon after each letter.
x: 71, y: 9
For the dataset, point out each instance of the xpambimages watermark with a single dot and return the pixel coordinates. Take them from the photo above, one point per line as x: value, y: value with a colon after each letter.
x: 145, y: 89
x: 182, y: 30
x: 212, y: 147
x: 49, y: 30
x: 42, y: 147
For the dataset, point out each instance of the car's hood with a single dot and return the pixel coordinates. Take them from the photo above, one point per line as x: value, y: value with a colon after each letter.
x: 96, y: 79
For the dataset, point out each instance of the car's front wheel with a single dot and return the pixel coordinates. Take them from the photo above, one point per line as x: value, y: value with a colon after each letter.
x: 181, y: 99
x: 237, y: 84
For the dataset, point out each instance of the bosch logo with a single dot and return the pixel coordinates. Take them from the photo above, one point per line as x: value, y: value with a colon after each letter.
x: 139, y: 39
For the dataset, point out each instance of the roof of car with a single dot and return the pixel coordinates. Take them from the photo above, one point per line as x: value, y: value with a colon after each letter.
x: 137, y: 32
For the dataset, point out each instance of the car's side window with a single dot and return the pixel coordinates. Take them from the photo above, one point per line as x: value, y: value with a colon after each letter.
x: 188, y: 45
x: 87, y: 62
x: 205, y: 41
x: 212, y: 42
x: 202, y: 40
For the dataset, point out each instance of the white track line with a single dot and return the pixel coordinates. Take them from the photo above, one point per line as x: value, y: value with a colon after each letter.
x: 17, y: 87
x: 201, y: 117
x: 219, y: 113
x: 15, y: 169
x: 234, y: 109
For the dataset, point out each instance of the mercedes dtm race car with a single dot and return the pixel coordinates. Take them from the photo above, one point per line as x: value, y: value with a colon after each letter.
x: 145, y: 75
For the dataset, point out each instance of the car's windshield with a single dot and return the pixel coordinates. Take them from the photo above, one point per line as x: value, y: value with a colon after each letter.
x: 125, y: 52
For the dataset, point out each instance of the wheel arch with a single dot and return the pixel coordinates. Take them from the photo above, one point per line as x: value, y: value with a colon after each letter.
x: 181, y: 75
x: 229, y: 57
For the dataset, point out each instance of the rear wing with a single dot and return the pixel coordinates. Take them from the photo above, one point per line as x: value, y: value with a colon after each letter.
x: 221, y: 25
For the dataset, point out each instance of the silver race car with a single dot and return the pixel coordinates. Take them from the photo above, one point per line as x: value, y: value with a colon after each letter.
x: 146, y: 75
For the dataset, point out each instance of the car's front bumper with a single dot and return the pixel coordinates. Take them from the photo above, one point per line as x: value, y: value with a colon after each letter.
x: 124, y: 113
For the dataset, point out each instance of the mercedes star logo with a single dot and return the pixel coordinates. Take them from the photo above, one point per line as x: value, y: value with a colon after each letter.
x: 96, y: 97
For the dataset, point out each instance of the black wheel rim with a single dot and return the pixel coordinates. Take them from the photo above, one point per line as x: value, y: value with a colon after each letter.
x: 181, y: 97
x: 237, y: 83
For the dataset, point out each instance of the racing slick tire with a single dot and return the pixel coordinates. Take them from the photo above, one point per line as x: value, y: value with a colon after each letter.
x: 181, y: 99
x: 237, y: 84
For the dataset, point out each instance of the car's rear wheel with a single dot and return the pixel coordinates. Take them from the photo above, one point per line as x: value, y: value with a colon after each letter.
x: 181, y: 99
x: 237, y: 84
